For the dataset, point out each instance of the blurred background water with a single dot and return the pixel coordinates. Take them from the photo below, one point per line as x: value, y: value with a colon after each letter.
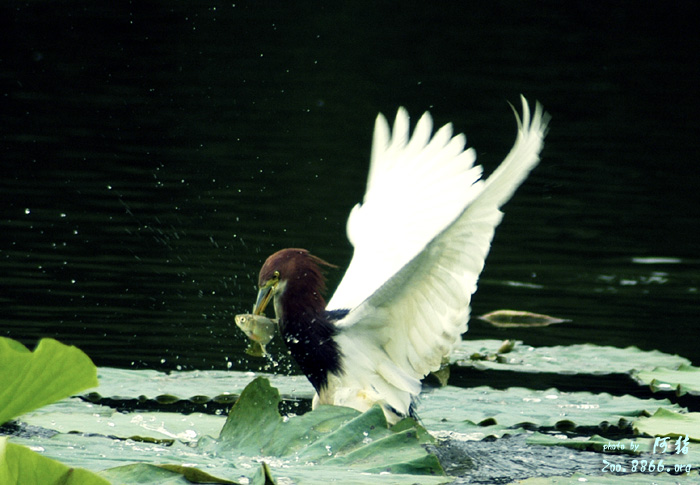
x: 154, y: 153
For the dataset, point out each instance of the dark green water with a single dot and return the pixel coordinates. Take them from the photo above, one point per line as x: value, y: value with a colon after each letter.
x: 153, y: 154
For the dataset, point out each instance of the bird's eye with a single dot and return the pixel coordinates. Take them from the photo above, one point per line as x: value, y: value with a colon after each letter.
x: 272, y: 280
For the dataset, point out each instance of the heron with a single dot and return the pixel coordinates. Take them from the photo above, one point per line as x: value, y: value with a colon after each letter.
x: 420, y: 238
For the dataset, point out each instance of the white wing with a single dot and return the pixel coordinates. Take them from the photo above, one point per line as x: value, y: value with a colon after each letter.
x: 416, y: 187
x: 421, y: 237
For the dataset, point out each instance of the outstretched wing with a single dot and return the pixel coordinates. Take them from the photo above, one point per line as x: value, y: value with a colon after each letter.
x: 421, y: 237
x: 416, y: 187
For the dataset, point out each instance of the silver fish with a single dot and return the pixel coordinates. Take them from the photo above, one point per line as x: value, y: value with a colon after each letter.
x: 259, y: 329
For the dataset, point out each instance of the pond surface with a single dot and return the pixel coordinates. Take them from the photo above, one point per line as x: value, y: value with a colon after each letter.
x: 155, y: 153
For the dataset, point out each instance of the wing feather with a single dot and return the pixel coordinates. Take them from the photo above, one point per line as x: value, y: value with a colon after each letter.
x: 416, y: 187
x: 409, y: 284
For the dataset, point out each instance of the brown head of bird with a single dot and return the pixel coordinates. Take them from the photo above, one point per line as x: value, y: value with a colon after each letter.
x: 293, y: 279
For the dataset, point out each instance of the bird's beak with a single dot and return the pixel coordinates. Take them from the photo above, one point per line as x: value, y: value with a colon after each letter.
x: 264, y: 297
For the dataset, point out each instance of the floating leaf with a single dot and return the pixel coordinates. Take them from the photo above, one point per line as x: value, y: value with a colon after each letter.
x: 332, y: 436
x: 666, y: 422
x: 264, y: 476
x: 99, y: 452
x: 643, y: 448
x: 300, y: 449
x: 599, y: 360
x: 224, y: 386
x: 21, y: 465
x: 515, y: 318
x: 160, y: 474
x: 329, y: 443
x: 593, y: 443
x: 219, y: 386
x: 445, y: 408
x: 29, y: 380
x: 76, y: 415
x: 684, y: 379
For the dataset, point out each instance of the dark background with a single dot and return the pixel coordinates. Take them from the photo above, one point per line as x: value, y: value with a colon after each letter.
x: 154, y: 153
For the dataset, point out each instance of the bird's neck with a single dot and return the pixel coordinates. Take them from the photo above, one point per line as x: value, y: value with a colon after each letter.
x: 309, y: 337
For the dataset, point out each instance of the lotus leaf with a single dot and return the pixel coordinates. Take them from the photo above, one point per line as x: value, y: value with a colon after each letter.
x: 328, y: 442
x: 216, y: 384
x: 76, y: 415
x: 516, y: 318
x: 29, y: 380
x: 600, y: 360
x: 160, y: 475
x: 684, y: 379
x: 648, y: 448
x: 457, y: 409
x: 330, y: 435
x: 666, y: 422
x: 21, y: 465
x: 594, y: 443
x: 257, y: 445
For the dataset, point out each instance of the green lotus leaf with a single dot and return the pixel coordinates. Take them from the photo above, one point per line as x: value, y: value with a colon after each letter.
x: 445, y: 409
x: 263, y: 476
x: 517, y: 318
x: 328, y: 443
x: 21, y: 465
x: 77, y: 415
x: 29, y: 380
x: 599, y: 360
x: 160, y: 475
x: 330, y: 436
x: 480, y: 354
x: 217, y: 385
x: 684, y: 458
x: 594, y: 443
x: 665, y: 422
x: 98, y: 453
x: 258, y: 445
x: 682, y: 380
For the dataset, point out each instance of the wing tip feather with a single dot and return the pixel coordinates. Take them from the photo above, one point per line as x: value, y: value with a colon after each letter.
x: 537, y: 122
